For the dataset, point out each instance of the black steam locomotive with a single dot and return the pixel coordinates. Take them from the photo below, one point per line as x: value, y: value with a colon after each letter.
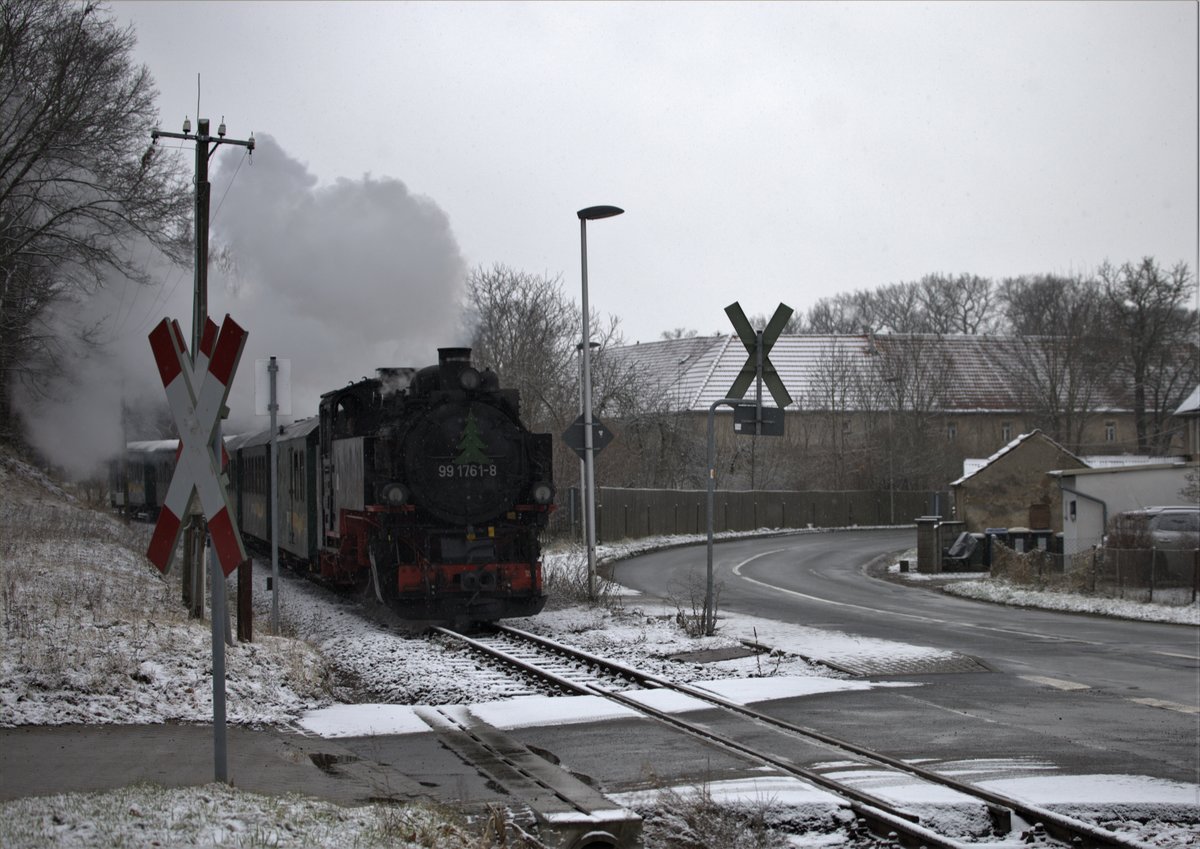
x: 430, y: 485
x: 422, y: 485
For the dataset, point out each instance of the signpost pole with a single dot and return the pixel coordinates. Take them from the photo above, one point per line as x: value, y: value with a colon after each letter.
x: 220, y: 739
x: 273, y: 370
x: 710, y: 609
x: 757, y: 369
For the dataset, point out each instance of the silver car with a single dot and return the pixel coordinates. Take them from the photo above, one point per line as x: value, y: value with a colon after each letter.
x: 1172, y: 532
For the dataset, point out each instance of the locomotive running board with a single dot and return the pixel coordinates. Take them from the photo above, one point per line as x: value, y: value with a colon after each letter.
x: 569, y: 813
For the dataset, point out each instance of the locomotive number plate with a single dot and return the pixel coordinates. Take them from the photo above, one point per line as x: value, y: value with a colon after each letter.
x: 468, y: 470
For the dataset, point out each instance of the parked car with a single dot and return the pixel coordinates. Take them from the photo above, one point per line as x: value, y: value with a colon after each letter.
x: 1172, y: 532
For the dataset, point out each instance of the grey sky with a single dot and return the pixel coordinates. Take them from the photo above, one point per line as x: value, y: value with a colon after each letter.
x: 763, y: 152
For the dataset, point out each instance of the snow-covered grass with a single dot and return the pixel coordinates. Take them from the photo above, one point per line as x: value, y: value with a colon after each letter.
x: 91, y: 633
x: 1001, y: 591
x: 219, y: 815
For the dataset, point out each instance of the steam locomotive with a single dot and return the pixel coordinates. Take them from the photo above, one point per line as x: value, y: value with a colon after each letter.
x: 420, y: 485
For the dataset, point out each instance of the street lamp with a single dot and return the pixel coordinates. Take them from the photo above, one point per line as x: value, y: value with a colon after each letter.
x: 592, y: 213
x: 891, y: 379
x: 582, y: 464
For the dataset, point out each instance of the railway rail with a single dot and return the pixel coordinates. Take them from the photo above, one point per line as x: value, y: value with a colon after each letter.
x: 572, y: 671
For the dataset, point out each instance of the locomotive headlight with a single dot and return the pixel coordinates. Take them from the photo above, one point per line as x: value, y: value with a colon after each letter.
x: 395, y: 494
x: 543, y: 493
x: 469, y: 379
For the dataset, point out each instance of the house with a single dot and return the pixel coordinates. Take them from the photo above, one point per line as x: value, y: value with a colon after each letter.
x: 1090, y: 497
x: 1189, y: 412
x: 874, y: 411
x: 1012, y: 488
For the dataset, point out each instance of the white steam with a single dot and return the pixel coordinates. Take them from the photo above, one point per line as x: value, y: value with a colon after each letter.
x: 340, y: 279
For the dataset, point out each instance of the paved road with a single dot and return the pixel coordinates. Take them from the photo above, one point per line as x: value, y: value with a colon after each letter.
x: 1095, y: 692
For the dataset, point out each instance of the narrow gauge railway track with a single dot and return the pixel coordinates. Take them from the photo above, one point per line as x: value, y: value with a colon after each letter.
x: 577, y: 672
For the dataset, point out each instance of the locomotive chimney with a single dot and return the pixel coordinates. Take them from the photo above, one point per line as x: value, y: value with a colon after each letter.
x: 452, y: 362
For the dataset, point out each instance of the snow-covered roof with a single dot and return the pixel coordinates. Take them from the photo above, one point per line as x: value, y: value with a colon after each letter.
x: 290, y: 431
x: 968, y: 373
x: 1114, y: 461
x: 1191, y: 406
x: 979, y: 466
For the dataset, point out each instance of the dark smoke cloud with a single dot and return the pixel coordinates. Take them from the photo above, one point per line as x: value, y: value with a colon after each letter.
x: 341, y: 279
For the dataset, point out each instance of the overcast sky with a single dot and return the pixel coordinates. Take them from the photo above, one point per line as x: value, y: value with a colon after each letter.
x: 763, y: 152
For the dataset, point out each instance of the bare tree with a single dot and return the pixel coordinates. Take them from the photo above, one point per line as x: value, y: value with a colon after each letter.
x: 1146, y: 306
x: 528, y: 332
x: 836, y: 402
x: 794, y: 324
x: 842, y: 313
x: 899, y: 308
x: 78, y: 180
x: 1057, y: 359
x: 938, y: 303
x: 912, y: 376
x: 525, y: 329
x: 680, y: 333
x: 963, y: 303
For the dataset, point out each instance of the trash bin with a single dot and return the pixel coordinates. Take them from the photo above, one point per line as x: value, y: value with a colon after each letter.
x: 990, y: 536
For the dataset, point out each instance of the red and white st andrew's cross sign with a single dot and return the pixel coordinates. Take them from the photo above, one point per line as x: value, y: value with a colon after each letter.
x: 197, y: 409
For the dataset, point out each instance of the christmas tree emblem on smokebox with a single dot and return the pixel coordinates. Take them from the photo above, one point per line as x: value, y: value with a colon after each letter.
x: 471, y: 444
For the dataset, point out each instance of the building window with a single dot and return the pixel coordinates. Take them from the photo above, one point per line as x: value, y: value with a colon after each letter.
x: 951, y: 432
x: 1110, y: 431
x: 1006, y: 432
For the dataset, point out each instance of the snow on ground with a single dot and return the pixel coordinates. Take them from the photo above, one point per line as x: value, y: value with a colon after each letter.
x: 1000, y: 591
x: 218, y: 815
x: 91, y: 633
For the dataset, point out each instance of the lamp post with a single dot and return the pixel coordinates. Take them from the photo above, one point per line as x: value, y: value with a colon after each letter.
x: 891, y: 379
x: 592, y: 213
x: 582, y: 464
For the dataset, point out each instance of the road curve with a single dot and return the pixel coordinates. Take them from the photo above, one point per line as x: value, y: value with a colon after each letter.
x: 1136, y: 684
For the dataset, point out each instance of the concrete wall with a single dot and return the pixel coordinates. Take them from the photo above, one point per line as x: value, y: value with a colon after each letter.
x: 1096, y: 491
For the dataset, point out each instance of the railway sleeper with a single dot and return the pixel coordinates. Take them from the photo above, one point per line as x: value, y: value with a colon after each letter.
x: 570, y: 813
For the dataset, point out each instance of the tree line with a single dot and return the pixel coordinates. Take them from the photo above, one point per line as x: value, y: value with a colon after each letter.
x: 1072, y: 337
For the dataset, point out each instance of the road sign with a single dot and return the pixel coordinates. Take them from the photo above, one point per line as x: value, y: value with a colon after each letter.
x: 197, y: 410
x: 574, y: 436
x: 755, y: 420
x: 757, y: 347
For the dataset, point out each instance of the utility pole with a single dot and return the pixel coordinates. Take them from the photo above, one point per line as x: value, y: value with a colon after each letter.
x: 193, y: 571
x: 193, y: 577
